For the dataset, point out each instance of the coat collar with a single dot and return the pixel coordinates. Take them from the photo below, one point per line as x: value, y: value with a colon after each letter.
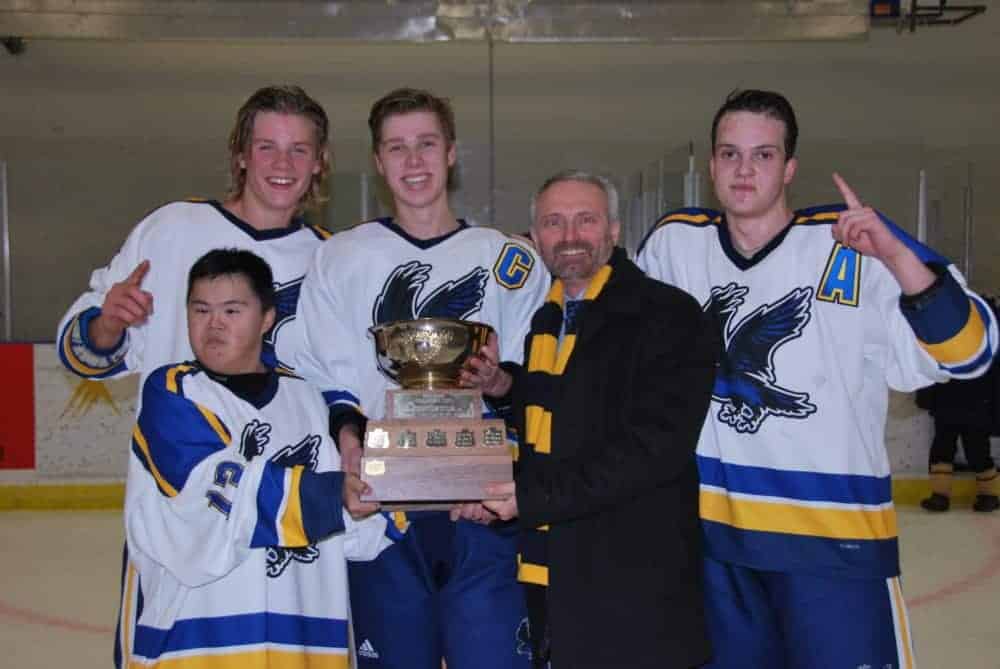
x: 619, y: 297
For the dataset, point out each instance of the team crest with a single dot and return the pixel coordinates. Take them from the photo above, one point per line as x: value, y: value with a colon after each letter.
x: 278, y: 558
x: 286, y: 300
x: 746, y: 384
x: 306, y: 454
x: 254, y: 438
x: 401, y: 297
x: 523, y: 637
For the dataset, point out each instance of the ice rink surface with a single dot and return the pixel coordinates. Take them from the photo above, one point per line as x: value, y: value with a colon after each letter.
x: 59, y: 594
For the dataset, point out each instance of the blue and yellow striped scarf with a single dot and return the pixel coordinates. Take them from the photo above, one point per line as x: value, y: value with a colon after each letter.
x: 547, y: 360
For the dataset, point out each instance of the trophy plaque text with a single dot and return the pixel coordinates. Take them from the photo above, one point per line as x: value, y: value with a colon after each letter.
x: 432, y: 448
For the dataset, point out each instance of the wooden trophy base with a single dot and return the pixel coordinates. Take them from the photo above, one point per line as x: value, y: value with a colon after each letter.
x: 433, y: 462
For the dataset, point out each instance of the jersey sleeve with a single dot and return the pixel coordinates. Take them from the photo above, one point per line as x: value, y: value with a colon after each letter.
x: 201, y: 498
x: 326, y: 339
x: 76, y: 351
x: 523, y: 282
x: 948, y: 331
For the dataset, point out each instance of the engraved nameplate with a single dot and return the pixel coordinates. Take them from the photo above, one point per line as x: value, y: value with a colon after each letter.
x: 433, y: 404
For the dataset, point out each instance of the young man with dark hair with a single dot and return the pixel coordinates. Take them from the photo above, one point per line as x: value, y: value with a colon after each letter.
x: 445, y: 589
x: 821, y: 310
x: 279, y: 160
x: 238, y: 520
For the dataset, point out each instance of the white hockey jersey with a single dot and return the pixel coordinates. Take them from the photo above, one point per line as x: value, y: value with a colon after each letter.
x: 235, y: 530
x: 375, y: 273
x: 172, y: 238
x: 794, y: 471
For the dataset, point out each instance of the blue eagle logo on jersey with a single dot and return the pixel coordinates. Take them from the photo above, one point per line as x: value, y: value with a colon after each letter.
x: 400, y: 299
x: 254, y: 438
x: 523, y: 636
x: 305, y: 454
x: 286, y: 301
x: 745, y: 384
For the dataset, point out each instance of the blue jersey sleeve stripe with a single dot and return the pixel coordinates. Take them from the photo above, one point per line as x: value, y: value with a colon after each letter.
x: 322, y: 509
x: 951, y: 325
x: 795, y: 485
x: 84, y: 320
x: 332, y: 397
x: 241, y: 630
x: 766, y: 515
x: 141, y: 448
x: 74, y: 363
x: 971, y: 369
x: 964, y: 345
x: 270, y: 495
x: 176, y: 434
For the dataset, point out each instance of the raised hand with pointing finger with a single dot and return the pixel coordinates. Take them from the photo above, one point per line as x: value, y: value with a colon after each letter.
x: 125, y: 305
x: 861, y: 228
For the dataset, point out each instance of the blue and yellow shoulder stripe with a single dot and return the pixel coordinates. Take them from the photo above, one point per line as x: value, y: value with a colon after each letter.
x: 321, y: 233
x: 286, y: 373
x: 174, y: 434
x: 824, y: 214
x: 79, y: 356
x: 696, y: 216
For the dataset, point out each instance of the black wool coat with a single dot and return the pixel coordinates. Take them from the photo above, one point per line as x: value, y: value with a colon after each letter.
x: 620, y: 488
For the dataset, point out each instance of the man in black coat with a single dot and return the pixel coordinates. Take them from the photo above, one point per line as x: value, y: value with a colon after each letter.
x: 608, y: 407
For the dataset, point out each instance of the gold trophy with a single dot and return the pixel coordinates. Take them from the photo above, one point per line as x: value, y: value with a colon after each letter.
x: 433, y: 448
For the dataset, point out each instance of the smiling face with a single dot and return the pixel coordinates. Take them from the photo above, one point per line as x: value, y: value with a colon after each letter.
x: 749, y: 167
x: 281, y: 158
x: 572, y: 232
x: 226, y: 324
x: 413, y: 157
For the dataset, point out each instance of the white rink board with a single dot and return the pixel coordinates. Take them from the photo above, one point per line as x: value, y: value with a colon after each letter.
x: 83, y: 428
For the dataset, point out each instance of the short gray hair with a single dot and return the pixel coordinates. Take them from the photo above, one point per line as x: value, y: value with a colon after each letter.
x: 583, y: 176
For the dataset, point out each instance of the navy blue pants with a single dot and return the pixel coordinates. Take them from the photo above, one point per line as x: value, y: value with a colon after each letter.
x: 784, y: 620
x: 444, y: 590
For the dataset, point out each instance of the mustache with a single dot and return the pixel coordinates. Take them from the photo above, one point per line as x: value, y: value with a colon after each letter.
x: 572, y: 246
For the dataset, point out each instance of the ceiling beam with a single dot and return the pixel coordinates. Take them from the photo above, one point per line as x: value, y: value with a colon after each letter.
x: 429, y: 21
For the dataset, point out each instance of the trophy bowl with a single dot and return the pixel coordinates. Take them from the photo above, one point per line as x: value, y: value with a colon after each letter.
x: 427, y: 353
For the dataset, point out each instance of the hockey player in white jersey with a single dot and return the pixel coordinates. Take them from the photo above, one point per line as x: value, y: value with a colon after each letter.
x: 822, y: 310
x: 133, y: 318
x: 238, y: 520
x: 279, y: 163
x: 444, y: 590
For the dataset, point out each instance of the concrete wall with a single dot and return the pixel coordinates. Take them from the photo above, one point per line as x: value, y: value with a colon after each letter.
x: 95, y: 134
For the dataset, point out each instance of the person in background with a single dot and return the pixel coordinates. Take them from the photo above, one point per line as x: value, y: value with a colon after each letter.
x: 966, y: 409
